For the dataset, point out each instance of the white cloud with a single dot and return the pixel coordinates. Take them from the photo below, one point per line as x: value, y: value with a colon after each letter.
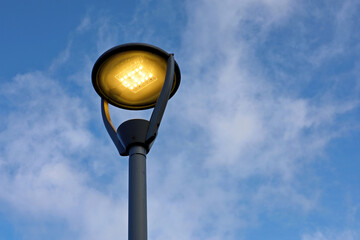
x: 84, y: 25
x: 250, y: 127
x: 331, y: 235
x: 237, y: 123
x: 239, y: 108
x: 46, y: 162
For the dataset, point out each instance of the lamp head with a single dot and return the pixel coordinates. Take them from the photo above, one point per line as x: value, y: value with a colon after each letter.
x: 131, y: 76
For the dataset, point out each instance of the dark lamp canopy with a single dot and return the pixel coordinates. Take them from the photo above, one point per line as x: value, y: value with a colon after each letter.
x: 131, y: 76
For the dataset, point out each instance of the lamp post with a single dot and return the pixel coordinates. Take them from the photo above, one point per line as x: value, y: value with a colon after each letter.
x: 135, y: 76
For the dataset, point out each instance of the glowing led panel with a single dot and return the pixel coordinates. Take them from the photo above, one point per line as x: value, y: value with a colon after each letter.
x: 132, y: 78
x: 136, y: 77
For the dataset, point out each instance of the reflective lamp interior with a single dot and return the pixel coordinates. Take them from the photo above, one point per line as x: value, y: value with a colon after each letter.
x: 132, y: 79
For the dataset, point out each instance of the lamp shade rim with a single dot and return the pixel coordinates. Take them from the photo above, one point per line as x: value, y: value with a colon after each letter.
x: 131, y: 47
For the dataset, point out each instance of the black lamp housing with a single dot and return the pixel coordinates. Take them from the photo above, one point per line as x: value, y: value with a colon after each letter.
x: 131, y: 47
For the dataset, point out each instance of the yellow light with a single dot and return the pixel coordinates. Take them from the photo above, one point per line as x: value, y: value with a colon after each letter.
x: 133, y: 78
x: 136, y: 77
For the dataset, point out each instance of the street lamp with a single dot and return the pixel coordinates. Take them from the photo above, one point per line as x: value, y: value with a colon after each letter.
x: 135, y: 76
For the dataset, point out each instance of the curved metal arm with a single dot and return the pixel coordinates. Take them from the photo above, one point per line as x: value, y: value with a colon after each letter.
x: 110, y: 127
x: 160, y: 106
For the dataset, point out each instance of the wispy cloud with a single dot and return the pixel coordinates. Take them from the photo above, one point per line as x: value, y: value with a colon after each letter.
x: 248, y: 125
x: 346, y: 235
x: 44, y: 158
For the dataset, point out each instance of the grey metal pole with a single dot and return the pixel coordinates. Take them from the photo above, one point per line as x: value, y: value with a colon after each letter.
x: 137, y: 193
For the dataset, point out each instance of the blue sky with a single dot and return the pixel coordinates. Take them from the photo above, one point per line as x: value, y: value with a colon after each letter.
x: 261, y: 140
